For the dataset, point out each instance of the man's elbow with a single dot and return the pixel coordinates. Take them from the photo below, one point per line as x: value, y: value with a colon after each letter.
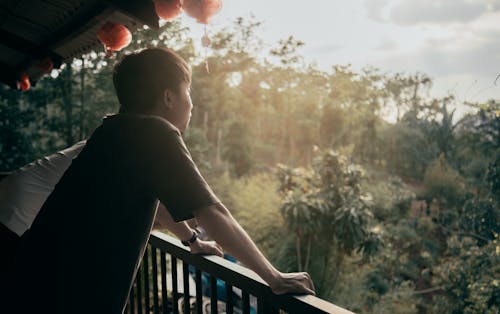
x: 210, y: 211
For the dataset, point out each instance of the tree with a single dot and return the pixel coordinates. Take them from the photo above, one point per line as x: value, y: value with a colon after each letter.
x: 325, y: 203
x: 237, y: 148
x: 16, y: 137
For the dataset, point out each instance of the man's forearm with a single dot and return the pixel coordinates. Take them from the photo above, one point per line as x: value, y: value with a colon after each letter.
x: 165, y: 221
x: 223, y: 228
x: 183, y: 231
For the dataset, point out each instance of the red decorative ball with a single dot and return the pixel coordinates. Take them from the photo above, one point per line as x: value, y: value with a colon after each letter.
x: 168, y: 9
x: 24, y: 82
x: 114, y: 36
x: 201, y: 10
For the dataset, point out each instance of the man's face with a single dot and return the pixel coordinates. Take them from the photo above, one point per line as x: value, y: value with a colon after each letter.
x: 179, y: 112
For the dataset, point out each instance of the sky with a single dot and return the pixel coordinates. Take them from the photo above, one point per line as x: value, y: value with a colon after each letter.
x: 455, y: 42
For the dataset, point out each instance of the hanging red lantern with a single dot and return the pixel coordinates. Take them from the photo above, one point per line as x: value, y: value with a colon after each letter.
x: 201, y: 10
x: 168, y: 9
x: 45, y: 65
x: 24, y: 82
x: 114, y: 36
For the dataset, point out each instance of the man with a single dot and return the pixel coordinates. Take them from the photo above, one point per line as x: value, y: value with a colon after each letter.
x: 83, y: 258
x: 24, y: 191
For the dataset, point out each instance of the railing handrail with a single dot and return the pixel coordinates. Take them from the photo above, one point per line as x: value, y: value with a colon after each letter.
x: 242, y: 277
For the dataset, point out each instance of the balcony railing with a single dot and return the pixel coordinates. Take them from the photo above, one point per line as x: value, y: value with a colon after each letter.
x: 171, y: 280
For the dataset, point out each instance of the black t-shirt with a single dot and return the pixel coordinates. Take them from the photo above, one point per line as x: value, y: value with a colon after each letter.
x: 85, y: 245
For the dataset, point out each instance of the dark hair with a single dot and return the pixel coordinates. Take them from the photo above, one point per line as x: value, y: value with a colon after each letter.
x: 140, y: 78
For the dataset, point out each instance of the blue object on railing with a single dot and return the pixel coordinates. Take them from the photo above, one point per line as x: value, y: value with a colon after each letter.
x: 221, y: 286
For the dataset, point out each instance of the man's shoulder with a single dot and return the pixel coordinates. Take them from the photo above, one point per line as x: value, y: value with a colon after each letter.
x: 147, y: 122
x: 163, y: 124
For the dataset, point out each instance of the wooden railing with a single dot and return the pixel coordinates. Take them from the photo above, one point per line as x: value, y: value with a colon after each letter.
x: 168, y: 270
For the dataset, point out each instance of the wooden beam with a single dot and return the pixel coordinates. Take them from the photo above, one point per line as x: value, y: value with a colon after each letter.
x: 142, y: 10
x: 8, y: 75
x: 75, y: 26
x: 26, y: 47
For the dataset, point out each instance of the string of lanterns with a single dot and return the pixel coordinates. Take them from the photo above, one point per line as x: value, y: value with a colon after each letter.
x: 116, y: 36
x: 45, y: 66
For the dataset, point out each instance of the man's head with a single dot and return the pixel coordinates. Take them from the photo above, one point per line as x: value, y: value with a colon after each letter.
x: 155, y: 81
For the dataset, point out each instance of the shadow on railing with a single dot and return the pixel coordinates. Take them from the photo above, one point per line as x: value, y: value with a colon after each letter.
x: 213, y: 285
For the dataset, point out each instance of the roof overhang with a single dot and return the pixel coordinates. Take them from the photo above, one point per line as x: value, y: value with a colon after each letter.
x: 31, y: 30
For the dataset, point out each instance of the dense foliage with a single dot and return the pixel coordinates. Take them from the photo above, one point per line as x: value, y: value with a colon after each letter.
x: 388, y: 217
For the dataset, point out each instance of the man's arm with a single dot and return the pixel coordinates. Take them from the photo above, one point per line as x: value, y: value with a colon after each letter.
x: 180, y: 185
x: 183, y: 232
x: 221, y: 226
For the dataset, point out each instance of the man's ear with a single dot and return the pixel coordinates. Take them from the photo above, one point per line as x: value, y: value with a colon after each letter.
x: 167, y: 98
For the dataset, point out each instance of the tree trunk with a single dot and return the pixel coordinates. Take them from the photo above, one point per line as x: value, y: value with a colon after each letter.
x: 67, y: 93
x: 205, y: 122
x: 218, y: 158
x: 299, y: 255
x: 308, y: 253
x: 338, y: 266
x: 326, y: 258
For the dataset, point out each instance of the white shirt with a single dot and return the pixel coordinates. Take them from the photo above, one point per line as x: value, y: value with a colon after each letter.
x: 24, y: 191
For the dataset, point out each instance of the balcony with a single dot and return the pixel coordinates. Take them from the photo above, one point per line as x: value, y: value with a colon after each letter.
x: 214, y: 285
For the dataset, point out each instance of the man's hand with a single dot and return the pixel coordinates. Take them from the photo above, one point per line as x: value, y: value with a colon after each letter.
x: 297, y: 283
x: 223, y: 228
x: 206, y: 248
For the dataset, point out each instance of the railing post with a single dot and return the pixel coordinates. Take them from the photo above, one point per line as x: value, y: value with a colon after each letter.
x: 145, y: 265
x: 229, y: 298
x: 185, y: 280
x: 155, y: 280
x: 213, y: 294
x: 199, y: 292
x: 164, y: 299
x: 175, y: 293
x: 245, y: 300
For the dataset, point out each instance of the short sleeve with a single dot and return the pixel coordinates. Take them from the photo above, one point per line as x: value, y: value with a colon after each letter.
x: 176, y: 179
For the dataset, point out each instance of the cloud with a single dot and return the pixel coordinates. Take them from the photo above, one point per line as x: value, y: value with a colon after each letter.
x: 478, y: 56
x: 375, y: 8
x: 325, y: 48
x: 387, y: 44
x: 410, y: 12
